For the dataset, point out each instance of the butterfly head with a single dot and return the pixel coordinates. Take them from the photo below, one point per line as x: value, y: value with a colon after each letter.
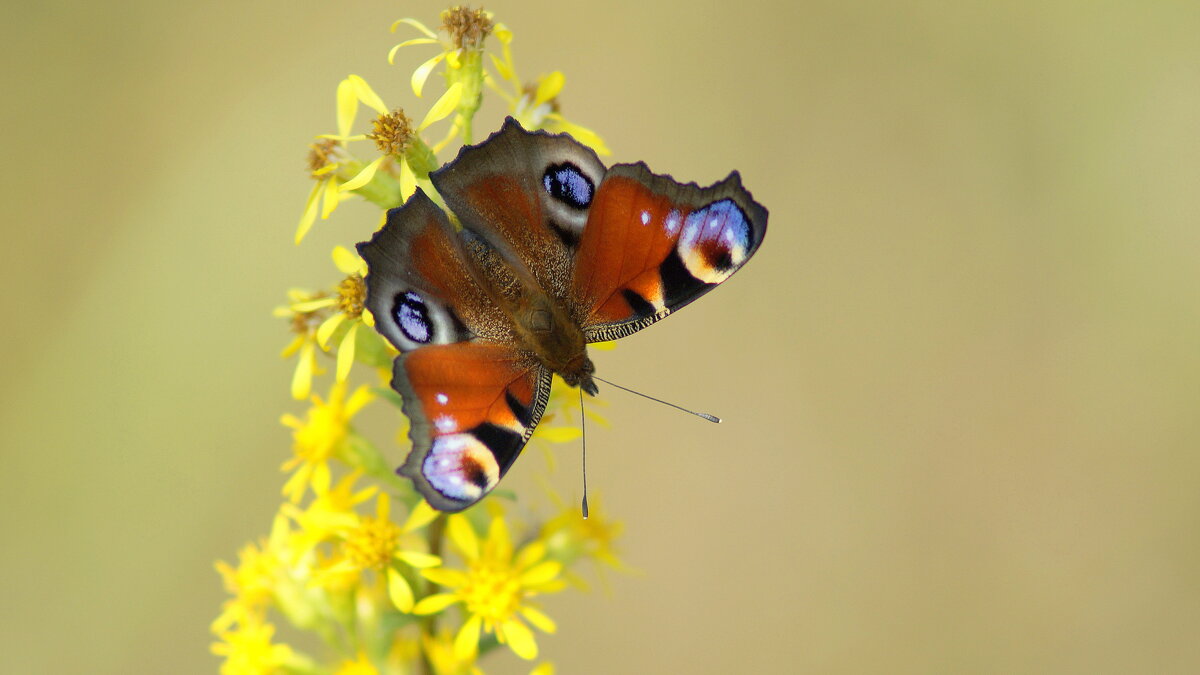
x: 578, y: 373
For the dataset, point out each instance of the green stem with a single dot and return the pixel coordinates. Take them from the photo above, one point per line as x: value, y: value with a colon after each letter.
x: 434, y: 534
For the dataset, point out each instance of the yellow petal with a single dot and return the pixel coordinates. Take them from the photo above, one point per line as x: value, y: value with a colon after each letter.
x: 444, y: 106
x: 581, y: 134
x: 363, y: 177
x: 463, y: 536
x: 327, y: 327
x: 347, y: 261
x: 559, y: 434
x: 310, y: 212
x: 368, y: 318
x: 520, y: 639
x: 605, y: 346
x: 329, y: 197
x: 406, y: 43
x: 358, y: 399
x: 408, y: 181
x: 320, y: 478
x: 415, y: 24
x: 419, y: 560
x: 502, y: 33
x: 542, y: 573
x: 345, y: 355
x: 347, y: 106
x: 367, y: 95
x: 313, y: 305
x: 302, y: 378
x: 445, y: 577
x: 537, y: 618
x: 501, y: 68
x: 399, y: 591
x: 530, y: 554
x: 344, y: 139
x: 434, y: 603
x: 422, y: 514
x: 422, y: 73
x: 453, y: 59
x: 549, y: 87
x: 544, y: 668
x: 499, y: 542
x: 383, y: 507
x: 466, y: 643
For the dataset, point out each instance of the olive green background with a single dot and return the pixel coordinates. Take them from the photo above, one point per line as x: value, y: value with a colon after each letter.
x: 960, y: 380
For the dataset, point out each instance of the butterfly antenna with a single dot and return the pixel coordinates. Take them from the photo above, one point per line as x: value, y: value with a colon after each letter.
x: 710, y: 418
x: 583, y: 432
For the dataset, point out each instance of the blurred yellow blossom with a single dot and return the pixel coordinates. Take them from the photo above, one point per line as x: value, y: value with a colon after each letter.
x: 495, y: 588
x: 320, y: 436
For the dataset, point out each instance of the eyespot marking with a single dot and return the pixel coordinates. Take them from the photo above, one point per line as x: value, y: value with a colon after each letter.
x: 566, y: 183
x: 460, y: 467
x: 412, y: 315
x: 715, y: 241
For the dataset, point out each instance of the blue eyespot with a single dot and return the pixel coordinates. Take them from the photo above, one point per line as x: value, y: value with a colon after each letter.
x: 566, y: 183
x: 413, y: 317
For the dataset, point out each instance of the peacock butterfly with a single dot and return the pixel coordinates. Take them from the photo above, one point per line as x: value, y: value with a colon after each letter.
x: 554, y: 252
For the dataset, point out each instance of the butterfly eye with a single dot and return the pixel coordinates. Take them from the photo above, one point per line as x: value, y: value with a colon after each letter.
x: 413, y: 316
x: 566, y: 183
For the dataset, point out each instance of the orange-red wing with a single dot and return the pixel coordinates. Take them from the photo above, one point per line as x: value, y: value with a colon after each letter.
x: 472, y: 405
x: 652, y: 245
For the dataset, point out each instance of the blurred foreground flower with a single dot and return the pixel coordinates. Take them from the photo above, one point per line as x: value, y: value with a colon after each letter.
x: 374, y: 586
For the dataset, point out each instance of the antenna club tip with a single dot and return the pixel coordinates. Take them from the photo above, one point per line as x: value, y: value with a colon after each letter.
x: 710, y: 418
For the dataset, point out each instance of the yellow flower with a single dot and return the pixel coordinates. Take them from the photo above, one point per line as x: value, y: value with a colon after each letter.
x: 569, y: 537
x: 331, y: 164
x: 249, y: 650
x: 393, y: 135
x: 252, y: 582
x: 376, y: 543
x: 359, y: 666
x: 320, y: 436
x: 330, y: 512
x: 536, y: 106
x: 305, y: 311
x: 462, y: 50
x: 495, y: 588
x: 351, y: 294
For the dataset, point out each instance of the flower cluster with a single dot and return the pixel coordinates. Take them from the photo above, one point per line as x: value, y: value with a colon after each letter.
x: 355, y: 558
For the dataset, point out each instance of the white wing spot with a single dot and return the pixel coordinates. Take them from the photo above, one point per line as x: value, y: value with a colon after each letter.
x: 645, y: 217
x: 443, y: 399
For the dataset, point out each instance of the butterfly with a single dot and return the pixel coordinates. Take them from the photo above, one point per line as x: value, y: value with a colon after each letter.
x: 551, y: 251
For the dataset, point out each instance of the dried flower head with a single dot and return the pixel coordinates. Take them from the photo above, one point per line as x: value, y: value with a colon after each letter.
x: 467, y: 27
x: 392, y: 133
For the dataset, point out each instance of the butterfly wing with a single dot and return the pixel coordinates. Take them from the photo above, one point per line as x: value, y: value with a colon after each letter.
x: 527, y: 195
x: 472, y: 397
x: 653, y: 245
x: 473, y: 406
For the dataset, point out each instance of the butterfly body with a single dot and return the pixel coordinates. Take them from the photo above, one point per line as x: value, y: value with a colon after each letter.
x: 554, y: 251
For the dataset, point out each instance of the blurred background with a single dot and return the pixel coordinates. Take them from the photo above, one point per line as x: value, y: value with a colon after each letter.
x: 960, y: 381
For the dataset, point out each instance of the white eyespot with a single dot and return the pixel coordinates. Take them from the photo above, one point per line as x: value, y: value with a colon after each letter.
x: 461, y: 467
